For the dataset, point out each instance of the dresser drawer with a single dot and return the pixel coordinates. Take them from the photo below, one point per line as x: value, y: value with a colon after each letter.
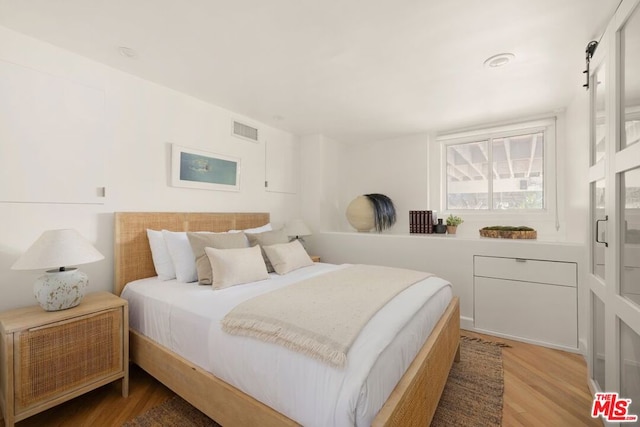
x: 527, y: 270
x: 545, y: 314
x: 58, y: 358
x: 49, y: 357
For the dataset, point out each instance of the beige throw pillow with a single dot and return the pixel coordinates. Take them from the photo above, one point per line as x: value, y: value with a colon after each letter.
x: 236, y: 266
x: 286, y: 257
x: 201, y: 240
x: 268, y: 238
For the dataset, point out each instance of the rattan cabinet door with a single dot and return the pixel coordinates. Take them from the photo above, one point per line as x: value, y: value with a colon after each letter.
x: 59, y: 358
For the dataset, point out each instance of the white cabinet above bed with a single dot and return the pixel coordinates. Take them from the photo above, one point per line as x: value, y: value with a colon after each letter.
x: 527, y: 299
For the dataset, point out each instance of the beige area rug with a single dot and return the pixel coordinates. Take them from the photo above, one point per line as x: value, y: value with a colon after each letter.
x: 473, y: 393
x: 175, y: 412
x: 472, y: 396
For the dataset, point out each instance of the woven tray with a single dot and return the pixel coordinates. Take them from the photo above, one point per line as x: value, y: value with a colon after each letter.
x: 508, y: 234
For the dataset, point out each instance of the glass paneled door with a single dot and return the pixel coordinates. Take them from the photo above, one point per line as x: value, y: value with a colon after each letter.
x: 614, y: 177
x: 599, y: 135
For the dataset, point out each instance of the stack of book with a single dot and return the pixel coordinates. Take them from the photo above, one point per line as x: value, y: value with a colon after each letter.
x: 421, y: 222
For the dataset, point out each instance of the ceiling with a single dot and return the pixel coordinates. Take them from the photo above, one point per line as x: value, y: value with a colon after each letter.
x: 351, y: 70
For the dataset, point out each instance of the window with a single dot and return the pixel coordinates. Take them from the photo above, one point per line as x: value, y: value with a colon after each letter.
x: 500, y: 169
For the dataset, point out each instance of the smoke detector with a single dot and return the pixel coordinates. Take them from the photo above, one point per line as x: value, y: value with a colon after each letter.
x: 499, y: 60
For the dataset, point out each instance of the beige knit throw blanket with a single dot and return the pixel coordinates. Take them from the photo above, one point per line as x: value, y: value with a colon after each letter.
x: 321, y: 316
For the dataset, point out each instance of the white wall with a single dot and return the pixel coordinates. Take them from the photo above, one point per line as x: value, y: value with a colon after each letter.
x: 397, y: 168
x: 142, y: 119
x: 322, y: 164
x: 335, y: 173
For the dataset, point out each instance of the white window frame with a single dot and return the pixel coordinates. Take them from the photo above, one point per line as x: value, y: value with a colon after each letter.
x: 548, y: 126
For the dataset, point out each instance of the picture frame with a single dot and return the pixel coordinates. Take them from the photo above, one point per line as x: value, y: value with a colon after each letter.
x: 191, y: 168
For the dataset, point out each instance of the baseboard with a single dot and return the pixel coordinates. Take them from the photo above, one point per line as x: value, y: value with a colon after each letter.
x: 466, y: 323
x: 582, y: 347
x: 527, y: 340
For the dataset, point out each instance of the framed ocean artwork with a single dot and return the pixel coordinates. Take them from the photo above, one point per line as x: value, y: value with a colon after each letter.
x: 192, y: 168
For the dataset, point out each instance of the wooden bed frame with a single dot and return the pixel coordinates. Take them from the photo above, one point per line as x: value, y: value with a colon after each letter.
x: 412, y: 403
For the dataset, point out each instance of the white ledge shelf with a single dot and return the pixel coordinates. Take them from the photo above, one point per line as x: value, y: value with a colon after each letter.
x: 461, y: 237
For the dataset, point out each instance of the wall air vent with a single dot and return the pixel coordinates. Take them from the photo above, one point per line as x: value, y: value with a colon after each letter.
x: 244, y: 131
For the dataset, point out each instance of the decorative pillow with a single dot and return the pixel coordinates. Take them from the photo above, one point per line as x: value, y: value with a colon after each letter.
x: 182, y: 257
x: 261, y: 229
x: 199, y: 241
x: 236, y: 266
x: 160, y: 254
x: 268, y: 238
x: 286, y: 257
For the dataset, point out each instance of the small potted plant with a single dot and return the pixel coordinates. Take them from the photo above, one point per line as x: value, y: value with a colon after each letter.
x: 452, y: 223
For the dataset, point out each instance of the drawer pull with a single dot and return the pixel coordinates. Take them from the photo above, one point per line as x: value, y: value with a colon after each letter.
x: 606, y: 218
x: 521, y: 260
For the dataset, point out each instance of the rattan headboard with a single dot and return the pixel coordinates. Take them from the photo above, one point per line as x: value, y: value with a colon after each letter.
x: 132, y: 252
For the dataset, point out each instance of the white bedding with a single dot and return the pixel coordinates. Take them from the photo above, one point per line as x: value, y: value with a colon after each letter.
x: 185, y: 317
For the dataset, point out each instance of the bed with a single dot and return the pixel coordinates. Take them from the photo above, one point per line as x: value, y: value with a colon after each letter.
x: 412, y: 402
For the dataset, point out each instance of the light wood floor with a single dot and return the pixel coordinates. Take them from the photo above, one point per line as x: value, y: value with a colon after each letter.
x: 542, y: 387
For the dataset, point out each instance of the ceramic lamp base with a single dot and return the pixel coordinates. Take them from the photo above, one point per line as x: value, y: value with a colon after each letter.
x: 58, y: 290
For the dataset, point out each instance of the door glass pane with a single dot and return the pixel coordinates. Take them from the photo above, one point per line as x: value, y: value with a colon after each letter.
x: 598, y: 195
x: 518, y: 181
x: 630, y: 367
x: 630, y: 274
x: 598, y: 342
x: 599, y: 131
x: 467, y: 179
x: 630, y: 37
x: 599, y: 111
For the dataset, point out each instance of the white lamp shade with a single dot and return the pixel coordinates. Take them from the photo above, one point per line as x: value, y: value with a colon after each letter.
x: 57, y: 248
x: 297, y: 227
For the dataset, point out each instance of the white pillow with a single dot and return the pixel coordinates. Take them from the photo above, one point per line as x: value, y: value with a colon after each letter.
x: 236, y: 266
x: 160, y: 254
x: 184, y: 262
x: 199, y: 241
x: 261, y: 229
x: 286, y: 257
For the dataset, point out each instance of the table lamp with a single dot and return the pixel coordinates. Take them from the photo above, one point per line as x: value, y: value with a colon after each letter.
x: 296, y: 229
x: 62, y: 287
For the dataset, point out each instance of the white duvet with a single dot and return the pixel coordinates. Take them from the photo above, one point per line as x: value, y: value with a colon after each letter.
x: 185, y: 317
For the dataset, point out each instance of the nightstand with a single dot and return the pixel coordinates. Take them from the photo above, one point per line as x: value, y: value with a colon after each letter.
x: 49, y: 357
x: 315, y: 258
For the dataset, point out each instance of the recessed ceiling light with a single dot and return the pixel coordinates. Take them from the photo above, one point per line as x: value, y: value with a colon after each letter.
x: 127, y: 52
x: 499, y: 60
